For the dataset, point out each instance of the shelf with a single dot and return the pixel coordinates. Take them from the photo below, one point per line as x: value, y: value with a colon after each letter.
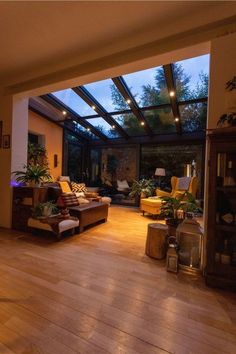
x: 227, y: 228
x: 227, y: 189
x: 225, y: 269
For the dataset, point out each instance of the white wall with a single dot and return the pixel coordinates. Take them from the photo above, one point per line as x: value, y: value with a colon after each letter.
x: 222, y: 69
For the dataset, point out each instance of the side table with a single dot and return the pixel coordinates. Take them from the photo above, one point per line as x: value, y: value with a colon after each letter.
x: 55, y: 224
x: 156, y: 240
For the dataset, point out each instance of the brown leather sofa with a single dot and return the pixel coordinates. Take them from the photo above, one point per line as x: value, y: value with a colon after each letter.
x: 87, y: 214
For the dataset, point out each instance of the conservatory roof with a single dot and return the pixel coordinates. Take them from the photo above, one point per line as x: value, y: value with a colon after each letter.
x: 166, y: 100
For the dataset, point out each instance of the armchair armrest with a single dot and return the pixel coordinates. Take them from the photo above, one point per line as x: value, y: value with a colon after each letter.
x: 161, y: 193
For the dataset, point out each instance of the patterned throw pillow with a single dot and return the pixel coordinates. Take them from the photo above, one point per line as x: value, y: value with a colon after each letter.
x: 78, y: 187
x: 69, y: 199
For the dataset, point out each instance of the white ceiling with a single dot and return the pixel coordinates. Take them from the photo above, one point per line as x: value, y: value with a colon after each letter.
x: 38, y: 38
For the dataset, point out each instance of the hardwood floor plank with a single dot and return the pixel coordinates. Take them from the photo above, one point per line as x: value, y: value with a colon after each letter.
x: 99, y: 293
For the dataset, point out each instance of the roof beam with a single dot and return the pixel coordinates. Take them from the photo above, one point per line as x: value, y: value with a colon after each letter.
x: 173, y: 100
x: 170, y: 139
x: 125, y: 92
x: 45, y: 116
x: 75, y: 116
x: 91, y: 101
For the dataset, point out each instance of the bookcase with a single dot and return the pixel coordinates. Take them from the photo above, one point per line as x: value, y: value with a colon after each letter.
x: 221, y: 224
x: 24, y: 199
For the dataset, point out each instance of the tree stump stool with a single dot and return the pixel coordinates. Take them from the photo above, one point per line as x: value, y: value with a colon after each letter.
x: 156, y: 241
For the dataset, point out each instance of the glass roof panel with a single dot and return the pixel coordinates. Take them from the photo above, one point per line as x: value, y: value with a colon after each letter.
x: 107, y: 94
x: 104, y: 127
x: 148, y: 86
x: 72, y: 100
x: 80, y: 129
x: 130, y: 124
x: 161, y: 121
x: 193, y: 117
x: 191, y: 77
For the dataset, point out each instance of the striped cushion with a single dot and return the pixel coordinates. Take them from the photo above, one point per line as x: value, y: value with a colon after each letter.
x: 69, y: 199
x: 78, y: 187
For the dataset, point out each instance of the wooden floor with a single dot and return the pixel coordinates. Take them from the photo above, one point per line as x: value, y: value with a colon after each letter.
x: 98, y: 293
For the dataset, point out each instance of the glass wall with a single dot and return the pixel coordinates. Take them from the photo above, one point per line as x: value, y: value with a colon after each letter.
x: 177, y: 160
x: 73, y: 158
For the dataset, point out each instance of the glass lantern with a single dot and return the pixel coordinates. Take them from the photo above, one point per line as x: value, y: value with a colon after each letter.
x: 189, y: 236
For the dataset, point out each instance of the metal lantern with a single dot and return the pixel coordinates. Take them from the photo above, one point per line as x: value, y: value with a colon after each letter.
x: 172, y: 259
x: 189, y: 237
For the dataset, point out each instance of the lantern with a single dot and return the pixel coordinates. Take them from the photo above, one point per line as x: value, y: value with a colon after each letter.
x: 172, y: 259
x: 189, y: 237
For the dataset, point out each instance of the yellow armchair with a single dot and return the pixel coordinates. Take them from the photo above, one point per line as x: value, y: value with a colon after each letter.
x: 152, y: 205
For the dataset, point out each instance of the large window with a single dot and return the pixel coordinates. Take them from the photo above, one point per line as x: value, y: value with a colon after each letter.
x: 178, y: 160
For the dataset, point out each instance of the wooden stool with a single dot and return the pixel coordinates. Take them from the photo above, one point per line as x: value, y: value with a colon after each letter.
x: 156, y: 241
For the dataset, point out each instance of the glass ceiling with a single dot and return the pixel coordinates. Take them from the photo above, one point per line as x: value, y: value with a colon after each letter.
x: 104, y: 92
x: 148, y: 87
x: 154, y: 110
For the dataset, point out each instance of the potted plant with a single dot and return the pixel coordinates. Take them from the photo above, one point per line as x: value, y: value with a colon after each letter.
x: 172, y: 205
x: 143, y: 188
x: 44, y: 210
x: 33, y: 175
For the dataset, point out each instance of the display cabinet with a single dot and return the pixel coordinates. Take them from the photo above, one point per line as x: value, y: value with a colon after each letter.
x: 24, y: 199
x: 221, y: 224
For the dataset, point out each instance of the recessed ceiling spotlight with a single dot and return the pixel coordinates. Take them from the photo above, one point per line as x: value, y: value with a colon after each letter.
x: 172, y: 93
x: 93, y: 107
x: 142, y: 123
x: 64, y: 113
x: 88, y: 129
x: 128, y: 101
x: 113, y: 126
x: 176, y: 119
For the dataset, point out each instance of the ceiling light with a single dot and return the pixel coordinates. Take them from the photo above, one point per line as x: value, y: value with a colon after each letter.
x: 113, y: 126
x: 142, y: 123
x: 172, y: 93
x: 93, y: 107
x: 128, y: 101
x: 88, y: 129
x: 176, y: 119
x: 64, y: 113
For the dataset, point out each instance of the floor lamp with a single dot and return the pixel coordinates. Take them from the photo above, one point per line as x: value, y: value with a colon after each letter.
x: 160, y: 172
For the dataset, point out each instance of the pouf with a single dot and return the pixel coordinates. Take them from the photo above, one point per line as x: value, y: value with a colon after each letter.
x: 106, y: 200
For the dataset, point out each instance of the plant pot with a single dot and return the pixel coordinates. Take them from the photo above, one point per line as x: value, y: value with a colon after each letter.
x: 172, y: 225
x: 33, y: 184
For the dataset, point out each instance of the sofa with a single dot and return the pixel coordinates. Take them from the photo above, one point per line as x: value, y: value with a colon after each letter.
x: 89, y: 211
x: 152, y: 205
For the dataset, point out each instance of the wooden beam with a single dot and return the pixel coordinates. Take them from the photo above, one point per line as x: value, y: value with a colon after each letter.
x: 91, y: 101
x: 125, y: 92
x: 170, y: 139
x: 75, y: 116
x: 173, y: 100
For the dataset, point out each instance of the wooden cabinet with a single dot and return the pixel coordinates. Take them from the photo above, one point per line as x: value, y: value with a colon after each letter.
x: 221, y: 223
x: 24, y: 199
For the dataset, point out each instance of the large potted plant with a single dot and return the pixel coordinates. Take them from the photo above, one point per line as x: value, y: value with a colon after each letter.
x: 33, y: 175
x: 171, y: 207
x: 143, y: 188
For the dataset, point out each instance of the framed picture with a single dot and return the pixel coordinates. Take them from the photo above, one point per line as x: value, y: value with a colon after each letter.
x: 0, y: 133
x: 6, y: 142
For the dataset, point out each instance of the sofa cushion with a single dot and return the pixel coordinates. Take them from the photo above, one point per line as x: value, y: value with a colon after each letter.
x: 78, y: 187
x: 69, y: 199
